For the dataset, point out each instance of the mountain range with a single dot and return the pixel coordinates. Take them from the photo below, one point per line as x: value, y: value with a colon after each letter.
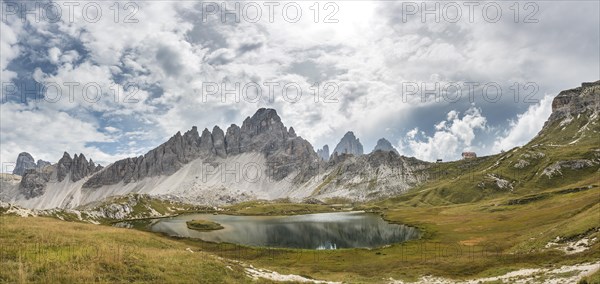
x: 264, y: 159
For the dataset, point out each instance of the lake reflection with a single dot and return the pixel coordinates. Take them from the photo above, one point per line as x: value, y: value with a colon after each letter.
x: 313, y: 231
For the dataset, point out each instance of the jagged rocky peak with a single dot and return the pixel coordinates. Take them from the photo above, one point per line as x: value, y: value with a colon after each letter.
x: 63, y: 167
x: 190, y: 140
x: 575, y: 101
x: 233, y: 140
x: 265, y: 120
x: 81, y: 167
x: 42, y: 163
x: 349, y: 145
x: 323, y: 153
x: 24, y: 162
x: 78, y: 166
x: 292, y: 132
x: 384, y: 145
x: 218, y: 139
x: 165, y: 159
x: 34, y: 180
x: 263, y: 132
x: 191, y: 136
x: 206, y: 141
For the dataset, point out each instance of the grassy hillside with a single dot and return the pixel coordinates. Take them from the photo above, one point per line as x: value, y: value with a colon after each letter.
x: 565, y: 153
x: 45, y: 250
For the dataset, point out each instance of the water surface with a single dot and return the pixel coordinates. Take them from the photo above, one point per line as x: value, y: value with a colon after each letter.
x: 312, y: 231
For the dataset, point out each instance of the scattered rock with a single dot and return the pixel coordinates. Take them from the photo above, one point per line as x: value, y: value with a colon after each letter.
x: 521, y: 164
x: 555, y: 169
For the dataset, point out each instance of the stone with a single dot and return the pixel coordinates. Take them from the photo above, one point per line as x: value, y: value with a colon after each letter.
x: 349, y: 144
x: 264, y: 132
x: 24, y: 162
x: 218, y: 138
x: 324, y: 153
x: 384, y: 145
x: 233, y: 140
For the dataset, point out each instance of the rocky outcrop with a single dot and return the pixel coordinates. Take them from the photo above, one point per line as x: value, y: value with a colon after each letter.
x: 81, y: 167
x: 206, y: 142
x: 575, y: 101
x: 285, y: 151
x: 349, y: 145
x: 520, y: 164
x: 233, y: 140
x: 218, y: 139
x: 78, y: 167
x: 25, y: 161
x: 555, y: 169
x: 263, y: 132
x: 496, y: 182
x: 63, y: 167
x: 324, y: 153
x: 34, y: 180
x: 33, y: 183
x: 42, y: 163
x: 384, y: 145
x: 292, y: 132
x: 375, y: 175
x: 164, y: 159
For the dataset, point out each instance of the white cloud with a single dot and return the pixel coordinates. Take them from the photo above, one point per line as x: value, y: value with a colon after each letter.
x: 53, y: 54
x: 111, y: 129
x: 369, y: 54
x: 10, y: 49
x: 526, y: 126
x: 41, y: 132
x: 450, y: 139
x: 412, y: 133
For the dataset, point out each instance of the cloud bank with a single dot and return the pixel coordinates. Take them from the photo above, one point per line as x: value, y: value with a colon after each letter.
x: 121, y: 84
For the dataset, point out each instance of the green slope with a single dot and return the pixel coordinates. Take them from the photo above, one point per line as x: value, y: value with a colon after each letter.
x: 572, y: 149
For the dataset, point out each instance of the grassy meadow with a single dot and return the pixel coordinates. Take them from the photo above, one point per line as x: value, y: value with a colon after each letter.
x: 479, y: 218
x: 460, y: 241
x: 46, y: 250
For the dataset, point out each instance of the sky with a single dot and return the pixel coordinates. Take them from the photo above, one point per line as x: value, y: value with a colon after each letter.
x: 116, y: 79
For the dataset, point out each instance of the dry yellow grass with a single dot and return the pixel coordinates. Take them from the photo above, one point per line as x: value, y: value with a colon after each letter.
x: 46, y: 250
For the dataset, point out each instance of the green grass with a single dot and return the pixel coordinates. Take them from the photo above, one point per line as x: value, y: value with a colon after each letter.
x: 591, y: 279
x: 203, y: 225
x: 468, y: 181
x: 486, y: 238
x: 46, y: 250
x: 275, y: 208
x: 460, y: 241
